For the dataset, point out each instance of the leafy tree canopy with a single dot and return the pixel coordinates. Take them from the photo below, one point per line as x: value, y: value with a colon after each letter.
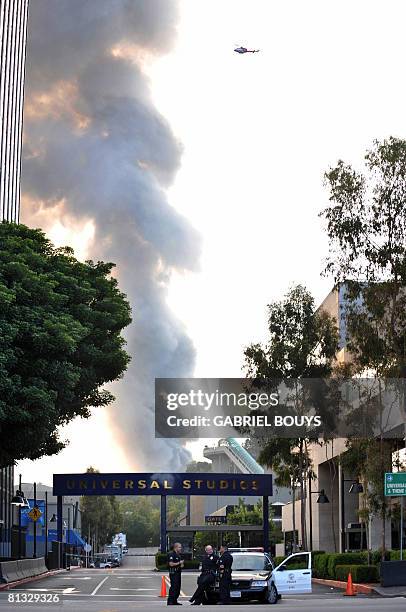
x: 60, y: 340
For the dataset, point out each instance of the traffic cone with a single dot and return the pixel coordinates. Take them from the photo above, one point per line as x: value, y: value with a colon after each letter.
x: 350, y: 590
x: 163, y: 587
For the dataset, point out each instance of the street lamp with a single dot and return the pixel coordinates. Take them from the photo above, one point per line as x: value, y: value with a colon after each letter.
x: 322, y: 499
x: 20, y: 501
x: 356, y: 488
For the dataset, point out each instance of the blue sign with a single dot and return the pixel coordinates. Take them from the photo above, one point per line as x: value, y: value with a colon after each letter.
x: 163, y: 484
x: 26, y: 520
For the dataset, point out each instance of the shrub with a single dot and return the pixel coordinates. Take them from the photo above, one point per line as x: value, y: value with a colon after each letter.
x: 278, y: 560
x: 359, y: 573
x: 161, y: 560
x: 320, y: 565
x: 394, y: 555
x: 343, y: 559
x: 376, y: 556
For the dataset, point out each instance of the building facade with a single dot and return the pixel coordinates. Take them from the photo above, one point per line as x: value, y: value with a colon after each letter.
x: 13, y: 38
x: 6, y: 518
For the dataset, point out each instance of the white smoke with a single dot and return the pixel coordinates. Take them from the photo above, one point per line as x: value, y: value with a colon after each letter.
x: 96, y: 147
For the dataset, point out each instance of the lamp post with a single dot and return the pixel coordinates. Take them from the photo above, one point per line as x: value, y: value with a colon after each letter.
x: 322, y: 499
x: 356, y: 488
x: 20, y: 501
x: 46, y: 526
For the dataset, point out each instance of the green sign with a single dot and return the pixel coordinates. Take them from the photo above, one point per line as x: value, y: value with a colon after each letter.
x: 395, y: 484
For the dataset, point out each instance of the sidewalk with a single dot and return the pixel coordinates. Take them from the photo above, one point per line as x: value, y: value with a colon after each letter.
x: 365, y: 589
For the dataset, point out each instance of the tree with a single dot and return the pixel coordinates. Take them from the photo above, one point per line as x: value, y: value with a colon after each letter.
x: 101, y: 516
x: 60, y: 340
x: 366, y: 227
x: 198, y: 466
x: 302, y: 344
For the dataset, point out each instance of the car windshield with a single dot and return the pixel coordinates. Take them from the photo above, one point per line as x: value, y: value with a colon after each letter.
x: 249, y: 562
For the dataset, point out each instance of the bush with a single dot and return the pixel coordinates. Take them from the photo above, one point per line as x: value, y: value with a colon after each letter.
x: 394, y: 555
x: 343, y: 559
x: 161, y: 562
x: 320, y: 565
x: 278, y: 560
x: 359, y: 573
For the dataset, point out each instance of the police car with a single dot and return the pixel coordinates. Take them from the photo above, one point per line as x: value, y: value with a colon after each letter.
x: 254, y: 577
x: 292, y: 576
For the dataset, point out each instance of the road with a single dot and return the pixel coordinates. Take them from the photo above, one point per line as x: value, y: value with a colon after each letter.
x: 136, y: 586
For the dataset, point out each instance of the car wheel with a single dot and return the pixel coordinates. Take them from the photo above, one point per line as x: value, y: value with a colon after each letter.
x: 272, y: 595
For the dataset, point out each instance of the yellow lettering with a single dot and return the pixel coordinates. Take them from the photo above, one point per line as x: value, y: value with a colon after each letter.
x: 116, y: 484
x: 187, y: 484
x: 198, y: 483
x: 243, y: 485
x: 128, y: 484
x: 82, y: 484
x: 167, y: 485
x: 70, y: 484
x: 254, y: 485
x: 154, y: 485
x: 142, y: 484
x: 104, y: 484
x: 223, y: 484
x: 211, y: 484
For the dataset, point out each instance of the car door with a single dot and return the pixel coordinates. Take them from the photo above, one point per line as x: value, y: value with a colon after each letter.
x: 294, y: 574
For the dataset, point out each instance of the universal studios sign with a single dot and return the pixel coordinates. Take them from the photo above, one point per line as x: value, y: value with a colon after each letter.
x: 162, y: 484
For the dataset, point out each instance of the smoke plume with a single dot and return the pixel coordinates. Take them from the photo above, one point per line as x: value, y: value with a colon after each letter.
x: 95, y: 148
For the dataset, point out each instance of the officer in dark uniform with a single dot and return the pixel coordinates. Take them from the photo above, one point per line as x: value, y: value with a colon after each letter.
x: 206, y: 578
x: 175, y: 574
x: 224, y: 566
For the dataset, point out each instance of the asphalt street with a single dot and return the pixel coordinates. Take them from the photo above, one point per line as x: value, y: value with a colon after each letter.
x: 136, y: 586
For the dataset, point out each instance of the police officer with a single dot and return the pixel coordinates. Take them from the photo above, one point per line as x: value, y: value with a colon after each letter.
x: 225, y: 562
x: 175, y: 574
x: 206, y: 578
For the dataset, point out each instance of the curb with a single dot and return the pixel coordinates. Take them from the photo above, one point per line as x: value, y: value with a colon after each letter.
x: 12, y: 585
x: 365, y: 589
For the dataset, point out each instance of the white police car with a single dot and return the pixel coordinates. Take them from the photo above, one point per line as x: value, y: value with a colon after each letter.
x: 292, y: 576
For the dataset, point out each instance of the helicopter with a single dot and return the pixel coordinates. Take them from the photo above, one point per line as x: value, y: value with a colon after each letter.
x: 245, y: 50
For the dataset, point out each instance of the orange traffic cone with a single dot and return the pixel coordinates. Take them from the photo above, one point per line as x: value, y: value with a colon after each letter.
x: 350, y: 590
x: 163, y: 587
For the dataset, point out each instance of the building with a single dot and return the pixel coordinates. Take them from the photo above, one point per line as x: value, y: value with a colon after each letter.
x: 334, y: 526
x: 228, y: 456
x: 13, y: 37
x: 6, y: 493
x: 47, y: 503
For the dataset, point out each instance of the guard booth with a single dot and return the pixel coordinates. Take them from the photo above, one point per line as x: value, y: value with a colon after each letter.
x: 164, y: 484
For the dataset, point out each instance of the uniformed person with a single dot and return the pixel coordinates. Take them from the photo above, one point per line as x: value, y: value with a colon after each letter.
x: 206, y: 578
x: 175, y: 574
x: 225, y: 562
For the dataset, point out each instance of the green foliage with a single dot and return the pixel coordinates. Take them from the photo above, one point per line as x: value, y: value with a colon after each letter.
x: 198, y: 466
x: 278, y: 560
x: 343, y: 559
x: 320, y: 565
x: 141, y: 518
x: 161, y: 562
x: 60, y: 340
x: 101, y: 516
x: 359, y: 573
x: 302, y: 343
x: 241, y: 515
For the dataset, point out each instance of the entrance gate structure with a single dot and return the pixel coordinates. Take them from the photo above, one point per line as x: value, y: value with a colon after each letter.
x: 91, y: 483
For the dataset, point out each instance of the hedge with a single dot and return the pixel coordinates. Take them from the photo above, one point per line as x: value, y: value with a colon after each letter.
x: 161, y: 562
x: 359, y: 573
x: 278, y: 560
x: 343, y: 559
x: 320, y: 565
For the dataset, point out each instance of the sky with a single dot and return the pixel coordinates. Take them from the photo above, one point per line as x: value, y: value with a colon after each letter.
x: 257, y: 133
